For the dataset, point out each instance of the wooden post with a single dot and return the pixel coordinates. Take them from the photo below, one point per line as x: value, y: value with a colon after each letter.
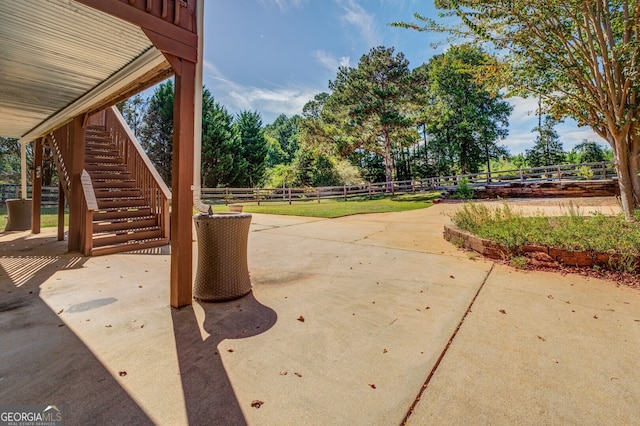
x: 77, y: 136
x: 257, y: 195
x: 344, y: 190
x: 289, y: 195
x: 182, y: 187
x: 559, y: 173
x: 60, y: 212
x: 226, y: 196
x: 318, y: 192
x: 369, y: 190
x: 521, y: 176
x: 36, y: 196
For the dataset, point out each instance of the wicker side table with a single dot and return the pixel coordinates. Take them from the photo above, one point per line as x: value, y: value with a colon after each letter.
x: 222, y: 272
x: 18, y: 215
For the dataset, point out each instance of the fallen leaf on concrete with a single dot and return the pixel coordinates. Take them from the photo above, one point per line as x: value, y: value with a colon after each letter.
x: 372, y: 385
x: 451, y: 276
x: 595, y: 317
x: 502, y: 311
x: 122, y: 373
x: 142, y: 326
x: 283, y: 373
x: 428, y: 307
x: 61, y: 325
x: 230, y: 350
x: 256, y: 403
x: 542, y: 338
x: 139, y: 286
x: 298, y: 374
x: 108, y: 326
x: 301, y: 318
x: 384, y: 351
x: 555, y: 360
x: 60, y: 311
x: 550, y: 296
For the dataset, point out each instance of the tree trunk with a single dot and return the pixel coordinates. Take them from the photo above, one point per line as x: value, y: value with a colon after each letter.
x: 634, y: 164
x: 388, y: 161
x: 625, y: 182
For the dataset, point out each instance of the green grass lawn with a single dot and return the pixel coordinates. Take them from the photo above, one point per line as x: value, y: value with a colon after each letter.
x: 326, y: 208
x: 49, y: 217
x: 338, y: 207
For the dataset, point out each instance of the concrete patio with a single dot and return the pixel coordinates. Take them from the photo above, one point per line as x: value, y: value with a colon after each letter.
x: 349, y: 320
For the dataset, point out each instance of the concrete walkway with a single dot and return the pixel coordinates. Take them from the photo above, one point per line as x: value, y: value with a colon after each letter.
x: 390, y: 310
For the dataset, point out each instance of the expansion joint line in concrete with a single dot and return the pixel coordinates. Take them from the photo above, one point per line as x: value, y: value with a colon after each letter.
x: 446, y: 348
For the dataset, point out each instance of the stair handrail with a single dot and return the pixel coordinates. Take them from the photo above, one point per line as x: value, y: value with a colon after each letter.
x: 136, y: 144
x: 90, y: 205
x: 155, y: 190
x: 88, y: 193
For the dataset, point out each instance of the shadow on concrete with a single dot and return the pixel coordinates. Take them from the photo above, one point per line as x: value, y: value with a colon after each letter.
x: 41, y: 360
x: 208, y: 392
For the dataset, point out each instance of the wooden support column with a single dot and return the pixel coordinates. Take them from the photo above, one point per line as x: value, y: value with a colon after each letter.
x: 182, y: 183
x: 36, y: 203
x: 60, y: 212
x: 77, y: 136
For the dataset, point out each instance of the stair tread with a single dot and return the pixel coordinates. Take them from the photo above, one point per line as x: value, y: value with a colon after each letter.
x: 126, y: 219
x: 129, y: 246
x: 128, y: 231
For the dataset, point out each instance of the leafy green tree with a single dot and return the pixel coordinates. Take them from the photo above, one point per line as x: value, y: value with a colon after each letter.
x: 547, y: 150
x: 9, y: 160
x: 134, y: 110
x: 222, y: 160
x: 589, y: 152
x: 374, y: 105
x: 582, y: 57
x: 284, y: 131
x: 248, y: 125
x: 156, y: 131
x: 464, y: 119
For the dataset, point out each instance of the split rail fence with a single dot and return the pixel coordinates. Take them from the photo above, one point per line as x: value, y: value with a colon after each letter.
x: 582, y: 171
x: 567, y: 172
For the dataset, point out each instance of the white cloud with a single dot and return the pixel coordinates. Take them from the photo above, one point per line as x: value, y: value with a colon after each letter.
x: 329, y: 61
x: 356, y: 16
x: 270, y: 102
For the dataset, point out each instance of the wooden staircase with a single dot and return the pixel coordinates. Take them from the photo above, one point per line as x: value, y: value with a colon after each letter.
x: 124, y: 219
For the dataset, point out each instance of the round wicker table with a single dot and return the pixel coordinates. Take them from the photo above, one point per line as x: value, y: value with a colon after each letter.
x: 222, y: 272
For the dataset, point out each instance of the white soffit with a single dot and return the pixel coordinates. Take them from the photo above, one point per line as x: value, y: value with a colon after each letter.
x: 54, y: 53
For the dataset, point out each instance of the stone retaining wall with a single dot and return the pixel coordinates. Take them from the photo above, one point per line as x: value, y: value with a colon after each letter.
x: 573, y: 189
x: 536, y: 254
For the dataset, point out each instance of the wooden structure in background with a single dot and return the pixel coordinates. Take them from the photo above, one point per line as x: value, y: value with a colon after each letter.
x: 69, y: 92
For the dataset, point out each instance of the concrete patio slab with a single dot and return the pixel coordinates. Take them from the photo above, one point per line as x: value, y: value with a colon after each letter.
x: 382, y: 297
x: 540, y: 348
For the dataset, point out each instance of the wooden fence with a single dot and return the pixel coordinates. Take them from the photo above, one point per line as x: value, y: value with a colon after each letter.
x: 568, y: 172
x: 10, y: 191
x: 582, y: 171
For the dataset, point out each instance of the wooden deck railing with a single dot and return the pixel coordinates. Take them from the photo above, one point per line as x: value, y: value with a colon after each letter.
x: 154, y: 190
x: 58, y: 142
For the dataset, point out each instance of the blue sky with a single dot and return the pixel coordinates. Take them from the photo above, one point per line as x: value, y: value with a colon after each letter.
x: 273, y: 56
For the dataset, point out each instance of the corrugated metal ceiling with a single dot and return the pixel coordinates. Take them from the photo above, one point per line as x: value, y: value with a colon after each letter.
x: 54, y: 51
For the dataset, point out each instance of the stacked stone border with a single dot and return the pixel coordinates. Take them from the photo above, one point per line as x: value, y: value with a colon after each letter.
x: 538, y: 254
